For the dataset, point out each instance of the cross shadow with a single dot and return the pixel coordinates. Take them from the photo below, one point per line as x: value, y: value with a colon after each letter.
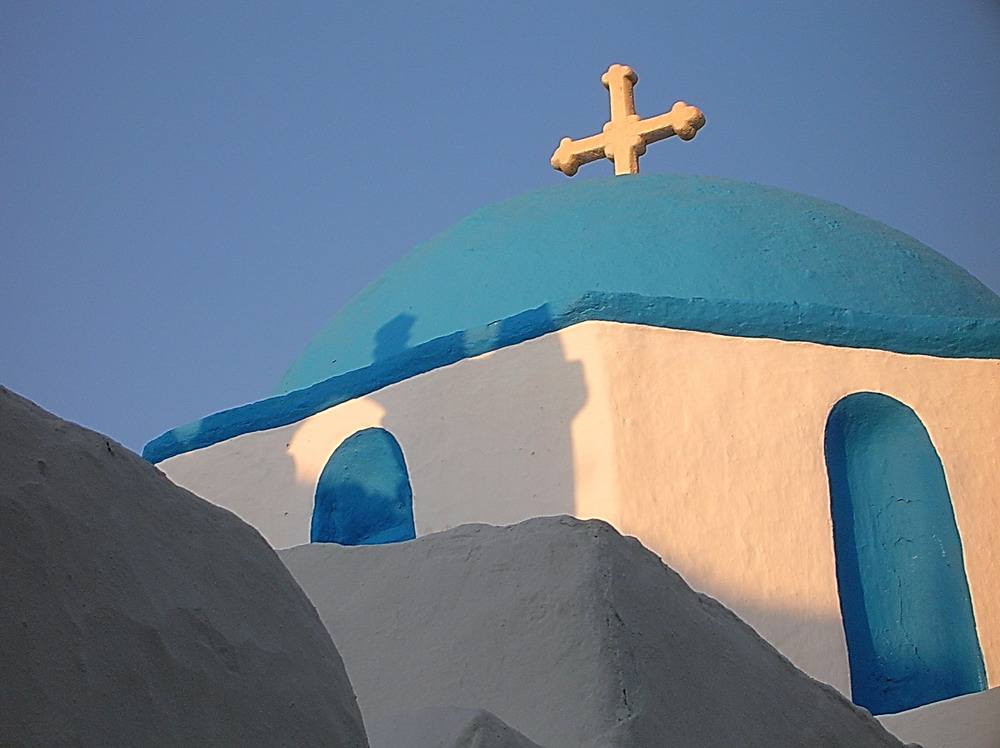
x: 392, y: 338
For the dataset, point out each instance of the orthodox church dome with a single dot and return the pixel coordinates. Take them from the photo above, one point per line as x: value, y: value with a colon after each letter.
x: 717, y: 255
x: 713, y: 367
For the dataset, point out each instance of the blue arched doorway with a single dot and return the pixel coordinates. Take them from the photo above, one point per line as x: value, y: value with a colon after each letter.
x: 363, y: 496
x: 904, y: 597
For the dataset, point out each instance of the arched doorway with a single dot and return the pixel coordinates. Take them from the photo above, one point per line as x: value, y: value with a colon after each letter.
x: 363, y: 496
x: 904, y: 597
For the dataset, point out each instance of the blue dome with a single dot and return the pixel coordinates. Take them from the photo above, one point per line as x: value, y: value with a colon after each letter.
x: 739, y: 247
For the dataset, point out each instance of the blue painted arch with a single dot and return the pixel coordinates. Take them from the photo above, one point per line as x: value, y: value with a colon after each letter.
x: 363, y: 496
x: 904, y: 597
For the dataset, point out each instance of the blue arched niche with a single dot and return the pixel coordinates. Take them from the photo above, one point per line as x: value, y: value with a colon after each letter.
x: 904, y: 597
x: 363, y: 496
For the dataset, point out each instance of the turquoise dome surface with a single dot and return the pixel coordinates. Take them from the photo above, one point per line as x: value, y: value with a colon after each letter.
x: 681, y: 237
x: 680, y: 252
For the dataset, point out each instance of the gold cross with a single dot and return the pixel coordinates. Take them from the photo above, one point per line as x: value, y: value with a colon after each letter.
x: 626, y: 136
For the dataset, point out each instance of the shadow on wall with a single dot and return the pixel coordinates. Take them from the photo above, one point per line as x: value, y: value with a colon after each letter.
x: 788, y: 627
x: 904, y: 596
x: 392, y: 337
x: 485, y: 439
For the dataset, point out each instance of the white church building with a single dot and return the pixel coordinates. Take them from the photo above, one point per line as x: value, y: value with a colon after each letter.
x: 795, y: 406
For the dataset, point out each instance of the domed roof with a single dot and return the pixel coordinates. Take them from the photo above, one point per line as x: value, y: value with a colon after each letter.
x: 745, y: 246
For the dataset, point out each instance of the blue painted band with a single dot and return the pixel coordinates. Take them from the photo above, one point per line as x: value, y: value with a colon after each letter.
x: 948, y: 337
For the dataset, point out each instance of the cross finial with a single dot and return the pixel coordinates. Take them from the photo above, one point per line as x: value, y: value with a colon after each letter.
x: 626, y: 136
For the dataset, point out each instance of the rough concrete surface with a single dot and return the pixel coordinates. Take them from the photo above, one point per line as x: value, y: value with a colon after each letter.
x: 568, y: 632
x: 134, y: 613
x: 445, y: 728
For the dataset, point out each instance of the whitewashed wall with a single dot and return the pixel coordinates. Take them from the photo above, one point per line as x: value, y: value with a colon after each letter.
x: 707, y: 448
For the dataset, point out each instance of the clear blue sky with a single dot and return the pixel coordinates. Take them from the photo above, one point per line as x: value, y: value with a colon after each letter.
x: 190, y: 190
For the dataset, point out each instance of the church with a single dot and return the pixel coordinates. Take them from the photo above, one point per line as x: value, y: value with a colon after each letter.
x: 795, y: 406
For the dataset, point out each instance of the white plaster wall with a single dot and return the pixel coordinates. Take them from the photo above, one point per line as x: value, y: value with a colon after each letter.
x: 971, y: 721
x: 707, y: 448
x: 719, y: 446
x: 269, y: 478
x: 485, y: 440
